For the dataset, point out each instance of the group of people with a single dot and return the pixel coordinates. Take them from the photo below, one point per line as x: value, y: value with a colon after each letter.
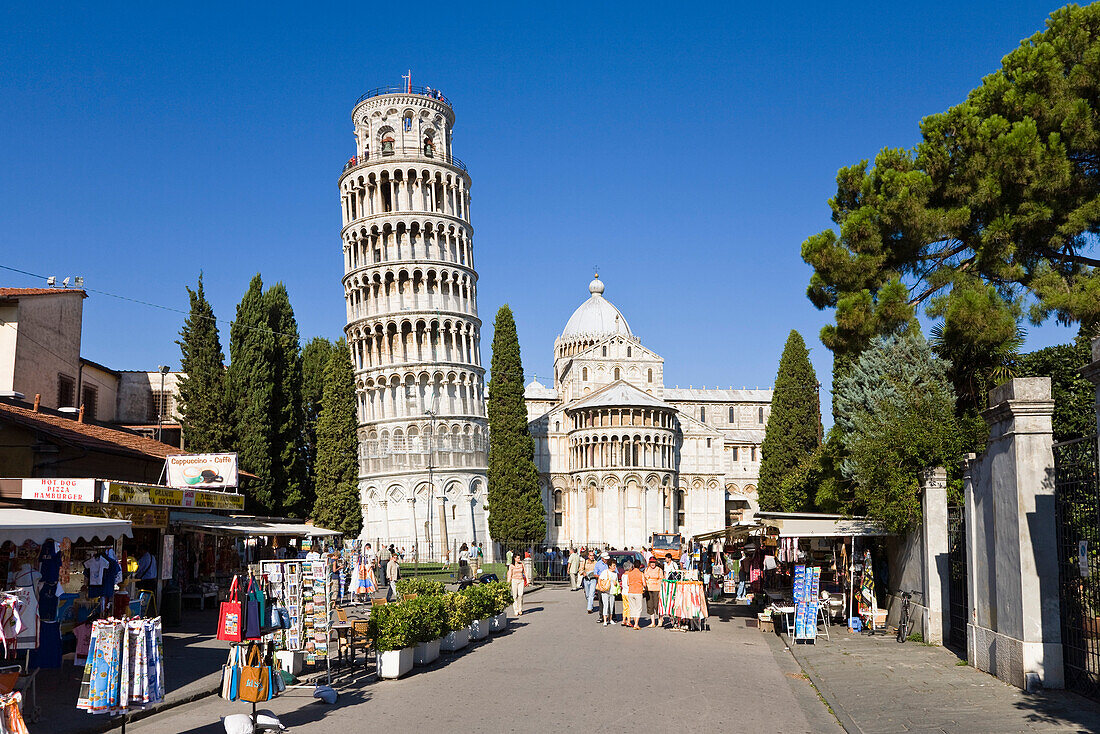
x: 361, y: 571
x: 640, y: 588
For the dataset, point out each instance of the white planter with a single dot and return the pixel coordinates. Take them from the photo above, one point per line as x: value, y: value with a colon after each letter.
x: 498, y: 623
x: 426, y: 652
x: 455, y: 640
x: 291, y: 661
x: 479, y: 629
x: 395, y: 663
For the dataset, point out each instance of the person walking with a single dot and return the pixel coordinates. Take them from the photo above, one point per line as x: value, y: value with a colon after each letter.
x: 477, y: 557
x: 608, y: 585
x: 588, y: 576
x: 517, y: 579
x: 633, y: 591
x: 393, y: 568
x: 463, y: 561
x: 574, y: 566
x: 653, y: 576
x: 146, y: 574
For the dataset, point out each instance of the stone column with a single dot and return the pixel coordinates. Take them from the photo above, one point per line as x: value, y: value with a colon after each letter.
x: 934, y: 549
x: 1014, y: 631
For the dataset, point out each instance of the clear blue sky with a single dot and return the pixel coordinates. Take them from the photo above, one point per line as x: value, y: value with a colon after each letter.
x: 685, y: 149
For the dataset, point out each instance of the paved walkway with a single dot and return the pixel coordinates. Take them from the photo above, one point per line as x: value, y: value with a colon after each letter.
x: 557, y: 669
x: 876, y: 685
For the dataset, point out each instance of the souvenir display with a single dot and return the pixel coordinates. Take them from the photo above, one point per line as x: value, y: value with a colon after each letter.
x: 125, y: 668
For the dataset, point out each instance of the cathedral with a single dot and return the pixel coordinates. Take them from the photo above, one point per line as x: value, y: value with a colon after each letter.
x: 620, y: 455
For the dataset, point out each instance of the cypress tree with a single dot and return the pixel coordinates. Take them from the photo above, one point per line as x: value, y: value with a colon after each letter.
x: 516, y: 511
x: 336, y: 472
x: 206, y: 422
x: 251, y: 390
x: 287, y: 418
x: 315, y: 357
x: 793, y: 432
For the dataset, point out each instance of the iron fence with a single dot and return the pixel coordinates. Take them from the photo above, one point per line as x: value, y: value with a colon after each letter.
x: 958, y: 602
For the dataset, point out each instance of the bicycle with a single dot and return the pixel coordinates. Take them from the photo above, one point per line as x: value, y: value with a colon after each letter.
x: 906, y: 620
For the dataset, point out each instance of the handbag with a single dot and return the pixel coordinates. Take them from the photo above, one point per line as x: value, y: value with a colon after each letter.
x: 231, y: 617
x: 252, y: 612
x: 231, y: 674
x: 255, y: 678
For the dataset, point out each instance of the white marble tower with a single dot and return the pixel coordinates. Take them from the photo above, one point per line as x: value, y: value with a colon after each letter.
x: 412, y: 324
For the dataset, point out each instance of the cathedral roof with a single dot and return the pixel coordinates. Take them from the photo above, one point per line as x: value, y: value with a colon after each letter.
x: 619, y: 395
x: 535, y: 390
x: 596, y: 317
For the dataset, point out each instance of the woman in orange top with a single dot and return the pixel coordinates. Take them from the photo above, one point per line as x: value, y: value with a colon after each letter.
x: 517, y: 577
x: 653, y: 575
x: 633, y: 588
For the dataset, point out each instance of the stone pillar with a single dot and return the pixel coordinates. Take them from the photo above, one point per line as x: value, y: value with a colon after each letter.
x: 1014, y: 631
x: 934, y: 548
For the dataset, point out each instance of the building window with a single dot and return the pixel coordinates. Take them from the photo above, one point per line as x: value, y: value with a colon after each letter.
x: 387, y: 146
x: 651, y: 375
x: 734, y: 450
x: 752, y: 454
x: 557, y: 425
x: 89, y: 402
x: 628, y: 351
x: 708, y: 443
x: 557, y: 501
x: 733, y: 418
x: 604, y: 351
x: 616, y: 373
x: 680, y: 499
x: 584, y: 373
x: 759, y: 415
x: 702, y: 414
x: 158, y: 406
x: 66, y: 391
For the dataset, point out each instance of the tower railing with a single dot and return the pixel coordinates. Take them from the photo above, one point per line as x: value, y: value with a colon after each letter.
x: 356, y: 160
x: 402, y: 89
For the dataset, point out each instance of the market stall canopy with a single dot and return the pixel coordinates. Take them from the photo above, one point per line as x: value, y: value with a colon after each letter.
x: 740, y: 529
x: 812, y: 525
x: 243, y: 525
x: 19, y: 526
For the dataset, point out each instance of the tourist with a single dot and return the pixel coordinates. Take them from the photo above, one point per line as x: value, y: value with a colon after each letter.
x: 588, y: 575
x: 517, y: 578
x: 670, y: 565
x: 653, y: 576
x: 508, y: 557
x: 574, y: 566
x: 608, y: 585
x: 477, y: 557
x: 463, y: 561
x: 633, y: 582
x: 146, y: 574
x: 393, y: 567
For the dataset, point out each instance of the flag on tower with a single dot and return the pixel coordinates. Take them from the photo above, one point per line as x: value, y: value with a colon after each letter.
x: 408, y: 82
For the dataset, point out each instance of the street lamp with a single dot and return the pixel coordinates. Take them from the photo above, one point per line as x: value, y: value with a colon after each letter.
x: 162, y: 403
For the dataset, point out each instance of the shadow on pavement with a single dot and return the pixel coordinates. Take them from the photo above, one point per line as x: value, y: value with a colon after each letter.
x: 1058, y: 708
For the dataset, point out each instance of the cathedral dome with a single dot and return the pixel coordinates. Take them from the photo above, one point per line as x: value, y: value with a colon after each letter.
x: 596, y: 317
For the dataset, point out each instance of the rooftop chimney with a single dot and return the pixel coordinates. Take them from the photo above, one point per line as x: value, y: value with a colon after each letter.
x: 37, y: 401
x: 80, y: 414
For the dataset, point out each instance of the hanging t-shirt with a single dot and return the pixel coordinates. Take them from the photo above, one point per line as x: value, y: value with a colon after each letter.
x: 95, y: 566
x: 110, y: 577
x: 49, y: 562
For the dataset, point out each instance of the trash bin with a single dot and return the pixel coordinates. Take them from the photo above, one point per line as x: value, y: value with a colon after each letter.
x: 171, y: 604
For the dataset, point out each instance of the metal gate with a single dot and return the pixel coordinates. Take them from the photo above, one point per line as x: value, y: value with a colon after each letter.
x: 958, y: 596
x: 1077, y: 512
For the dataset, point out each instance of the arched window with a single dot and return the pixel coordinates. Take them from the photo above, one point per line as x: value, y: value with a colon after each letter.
x: 702, y: 414
x: 650, y: 376
x: 604, y: 352
x: 387, y: 145
x: 628, y: 351
x: 759, y: 415
x: 557, y: 508
x: 681, y: 498
x: 429, y: 147
x: 584, y: 373
x: 616, y: 373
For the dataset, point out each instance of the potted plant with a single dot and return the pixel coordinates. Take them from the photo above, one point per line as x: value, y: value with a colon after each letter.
x: 481, y: 603
x: 431, y: 625
x: 420, y: 586
x: 502, y: 597
x: 458, y: 617
x: 393, y: 628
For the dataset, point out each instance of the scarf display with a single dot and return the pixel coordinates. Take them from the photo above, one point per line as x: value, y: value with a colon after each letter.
x: 11, y: 718
x: 681, y: 599
x: 125, y: 667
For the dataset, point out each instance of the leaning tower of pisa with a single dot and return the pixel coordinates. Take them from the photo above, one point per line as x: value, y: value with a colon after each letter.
x: 412, y: 324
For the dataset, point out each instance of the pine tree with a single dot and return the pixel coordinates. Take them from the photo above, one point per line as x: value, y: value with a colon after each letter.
x: 315, y: 357
x: 251, y: 390
x: 794, y: 426
x: 516, y: 511
x: 287, y: 418
x: 336, y: 474
x: 206, y: 420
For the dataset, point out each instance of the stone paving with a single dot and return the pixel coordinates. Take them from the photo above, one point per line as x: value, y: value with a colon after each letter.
x: 876, y: 685
x: 556, y: 669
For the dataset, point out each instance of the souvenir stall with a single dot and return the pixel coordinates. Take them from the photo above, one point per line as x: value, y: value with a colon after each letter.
x: 302, y: 591
x: 684, y: 600
x: 59, y: 570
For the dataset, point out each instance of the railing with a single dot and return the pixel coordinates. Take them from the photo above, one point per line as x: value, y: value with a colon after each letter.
x: 355, y: 160
x: 403, y: 89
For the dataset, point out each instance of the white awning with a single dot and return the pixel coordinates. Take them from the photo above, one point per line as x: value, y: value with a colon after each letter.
x: 247, y: 525
x: 302, y: 530
x: 810, y: 525
x: 20, y: 525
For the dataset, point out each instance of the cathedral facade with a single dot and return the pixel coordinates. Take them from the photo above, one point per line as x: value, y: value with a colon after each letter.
x: 620, y: 455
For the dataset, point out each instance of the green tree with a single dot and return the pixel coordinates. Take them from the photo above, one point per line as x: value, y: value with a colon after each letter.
x: 315, y: 357
x: 287, y: 418
x: 994, y: 210
x: 1074, y: 396
x: 336, y: 475
x: 897, y: 418
x: 206, y: 421
x: 251, y: 390
x: 794, y: 430
x: 515, y: 508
